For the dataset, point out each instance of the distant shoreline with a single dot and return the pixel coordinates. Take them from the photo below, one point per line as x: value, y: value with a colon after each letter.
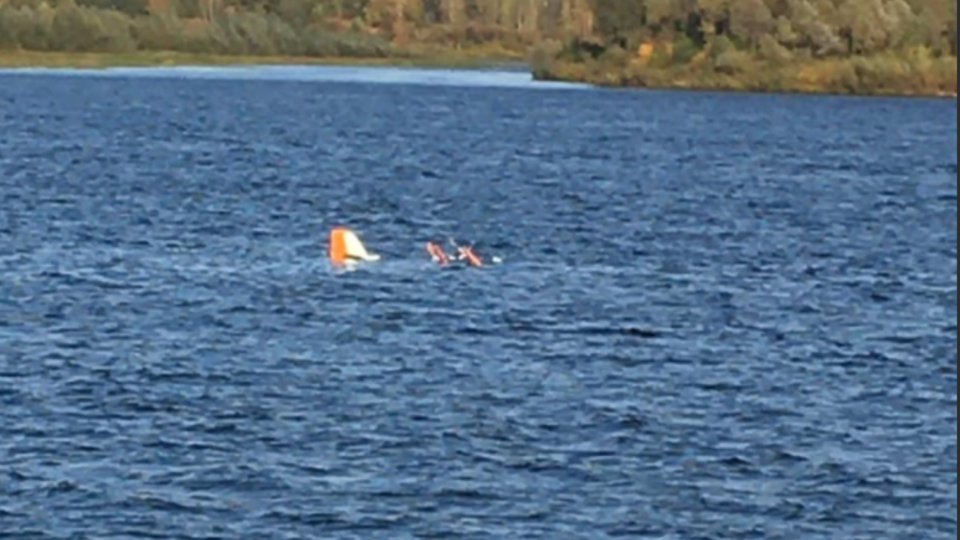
x: 784, y: 80
x: 455, y: 60
x: 54, y: 60
x: 720, y: 89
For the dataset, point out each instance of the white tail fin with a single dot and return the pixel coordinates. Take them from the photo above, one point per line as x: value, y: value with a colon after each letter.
x: 345, y: 246
x: 356, y: 249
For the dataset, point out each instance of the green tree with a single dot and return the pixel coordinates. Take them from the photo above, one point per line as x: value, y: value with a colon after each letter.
x: 619, y: 22
x: 815, y: 33
x: 751, y: 20
x: 454, y: 12
x: 661, y: 15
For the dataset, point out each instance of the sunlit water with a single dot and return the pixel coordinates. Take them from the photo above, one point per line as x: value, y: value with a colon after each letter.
x: 718, y: 316
x: 432, y: 77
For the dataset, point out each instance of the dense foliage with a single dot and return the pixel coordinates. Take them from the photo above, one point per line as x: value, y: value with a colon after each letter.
x: 286, y: 27
x: 891, y: 46
x: 820, y: 27
x: 854, y: 44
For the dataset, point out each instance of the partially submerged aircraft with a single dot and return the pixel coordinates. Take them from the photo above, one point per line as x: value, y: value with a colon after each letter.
x: 346, y: 249
x: 464, y: 253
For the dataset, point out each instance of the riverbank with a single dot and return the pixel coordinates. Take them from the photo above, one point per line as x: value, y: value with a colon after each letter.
x: 865, y: 77
x: 877, y: 76
x: 464, y: 59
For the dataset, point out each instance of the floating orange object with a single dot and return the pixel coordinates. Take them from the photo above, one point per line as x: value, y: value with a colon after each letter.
x: 338, y: 246
x: 346, y: 247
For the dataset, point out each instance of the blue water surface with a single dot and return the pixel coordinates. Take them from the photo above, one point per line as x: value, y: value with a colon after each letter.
x: 717, y: 317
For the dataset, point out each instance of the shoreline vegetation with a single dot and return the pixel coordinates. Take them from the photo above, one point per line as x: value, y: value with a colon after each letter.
x: 862, y: 47
x: 858, y: 47
x: 882, y: 76
x: 102, y: 33
x: 101, y: 60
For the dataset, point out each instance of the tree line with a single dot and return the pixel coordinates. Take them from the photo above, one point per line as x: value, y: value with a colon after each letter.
x: 607, y: 36
x: 821, y: 27
x: 323, y: 28
x: 848, y: 46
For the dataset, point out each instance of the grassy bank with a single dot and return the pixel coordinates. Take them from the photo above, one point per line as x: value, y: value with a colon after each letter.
x: 841, y: 78
x: 915, y: 72
x: 447, y: 59
x: 70, y: 34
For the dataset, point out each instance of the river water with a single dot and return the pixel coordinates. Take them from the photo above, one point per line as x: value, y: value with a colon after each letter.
x: 717, y: 316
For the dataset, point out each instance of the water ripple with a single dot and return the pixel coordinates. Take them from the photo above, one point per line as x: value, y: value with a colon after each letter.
x: 719, y: 316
